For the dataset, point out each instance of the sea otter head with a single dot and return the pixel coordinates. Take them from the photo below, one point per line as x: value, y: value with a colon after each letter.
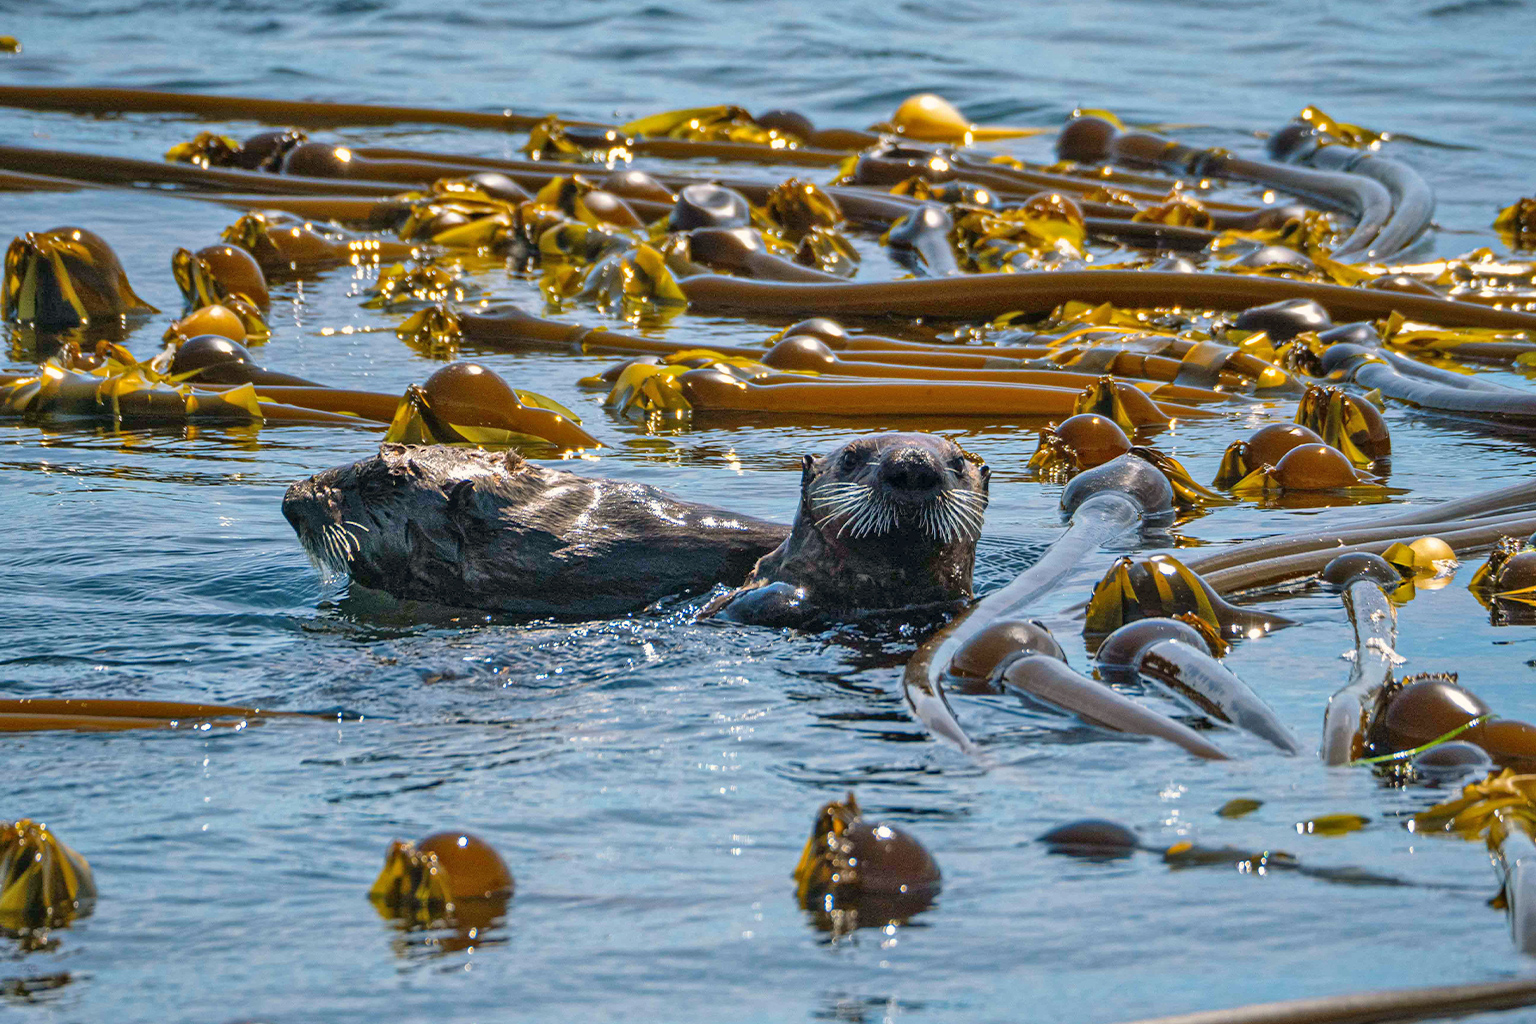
x: 389, y: 518
x: 903, y: 489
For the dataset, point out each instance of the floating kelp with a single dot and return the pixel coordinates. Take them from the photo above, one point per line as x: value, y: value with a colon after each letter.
x: 1506, y: 583
x: 1102, y: 504
x: 1365, y: 582
x: 93, y: 714
x: 1500, y: 810
x: 1517, y: 224
x: 64, y: 278
x: 43, y: 883
x: 1347, y: 423
x: 1175, y: 658
x: 1161, y: 587
x: 465, y: 403
x: 283, y: 244
x: 1096, y: 839
x: 857, y: 874
x: 448, y: 878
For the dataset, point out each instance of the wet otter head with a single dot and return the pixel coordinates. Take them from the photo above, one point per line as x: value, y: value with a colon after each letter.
x: 895, y: 489
x: 885, y: 522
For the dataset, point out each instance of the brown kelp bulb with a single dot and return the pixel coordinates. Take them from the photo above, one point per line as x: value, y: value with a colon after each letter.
x: 986, y: 653
x: 1093, y: 838
x: 1358, y: 333
x: 1315, y: 467
x: 1451, y: 760
x: 711, y: 389
x: 709, y: 206
x: 801, y: 352
x: 1285, y: 319
x: 237, y: 271
x: 1096, y: 439
x: 475, y: 870
x: 470, y: 394
x: 636, y: 185
x: 1356, y: 565
x: 1275, y: 256
x: 209, y: 350
x: 1085, y: 140
x: 1138, y: 408
x: 1119, y: 650
x: 607, y: 208
x: 1506, y: 740
x: 1404, y: 283
x: 726, y: 246
x: 888, y: 860
x: 834, y: 334
x: 318, y: 160
x: 1432, y: 549
x: 265, y: 150
x: 1517, y: 573
x: 1269, y: 444
x: 1423, y: 711
x: 210, y: 320
x: 499, y: 186
x: 788, y: 122
x: 1055, y: 206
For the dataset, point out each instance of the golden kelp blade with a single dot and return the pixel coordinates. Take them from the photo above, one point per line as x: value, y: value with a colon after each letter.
x: 411, y: 886
x: 1158, y: 587
x: 436, y: 330
x: 43, y: 883
x: 723, y: 123
x: 817, y: 868
x: 1516, y: 224
x: 1340, y: 131
x: 208, y: 149
x: 1186, y: 491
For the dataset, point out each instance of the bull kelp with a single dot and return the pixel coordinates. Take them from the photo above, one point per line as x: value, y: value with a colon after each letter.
x: 686, y: 247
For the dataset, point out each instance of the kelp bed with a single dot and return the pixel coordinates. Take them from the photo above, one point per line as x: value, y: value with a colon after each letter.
x: 1286, y: 310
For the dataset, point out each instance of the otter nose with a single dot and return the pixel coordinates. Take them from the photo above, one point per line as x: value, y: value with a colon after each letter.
x: 909, y: 470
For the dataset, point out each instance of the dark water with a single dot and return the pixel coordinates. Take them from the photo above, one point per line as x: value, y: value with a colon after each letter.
x: 651, y: 780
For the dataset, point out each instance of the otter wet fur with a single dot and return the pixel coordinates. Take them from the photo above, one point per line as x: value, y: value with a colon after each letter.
x: 479, y: 529
x: 885, y: 522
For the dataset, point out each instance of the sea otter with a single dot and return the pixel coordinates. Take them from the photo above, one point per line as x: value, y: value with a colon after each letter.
x: 884, y: 522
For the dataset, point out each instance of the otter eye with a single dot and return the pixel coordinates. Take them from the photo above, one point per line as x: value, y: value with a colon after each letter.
x: 850, y: 459
x: 957, y: 465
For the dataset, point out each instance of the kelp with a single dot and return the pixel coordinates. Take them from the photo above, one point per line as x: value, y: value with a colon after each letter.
x: 64, y: 278
x: 854, y: 873
x: 43, y: 883
x: 1162, y: 586
x: 445, y: 879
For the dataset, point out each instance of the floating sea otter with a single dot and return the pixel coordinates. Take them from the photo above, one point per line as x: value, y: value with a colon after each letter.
x: 884, y: 522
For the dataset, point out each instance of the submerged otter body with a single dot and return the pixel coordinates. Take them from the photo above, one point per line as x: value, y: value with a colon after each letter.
x: 481, y: 529
x: 885, y: 522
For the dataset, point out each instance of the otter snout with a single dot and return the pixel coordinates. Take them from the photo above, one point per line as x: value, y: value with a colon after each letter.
x: 911, y: 472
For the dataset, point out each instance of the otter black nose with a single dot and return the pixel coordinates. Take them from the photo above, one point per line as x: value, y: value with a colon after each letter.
x: 910, y: 470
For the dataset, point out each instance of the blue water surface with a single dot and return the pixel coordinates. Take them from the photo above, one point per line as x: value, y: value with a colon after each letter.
x: 651, y: 780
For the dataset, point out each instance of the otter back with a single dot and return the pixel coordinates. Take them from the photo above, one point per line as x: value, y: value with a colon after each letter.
x: 489, y: 530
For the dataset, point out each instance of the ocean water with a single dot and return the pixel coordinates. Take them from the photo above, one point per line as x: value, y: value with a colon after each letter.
x: 651, y: 780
